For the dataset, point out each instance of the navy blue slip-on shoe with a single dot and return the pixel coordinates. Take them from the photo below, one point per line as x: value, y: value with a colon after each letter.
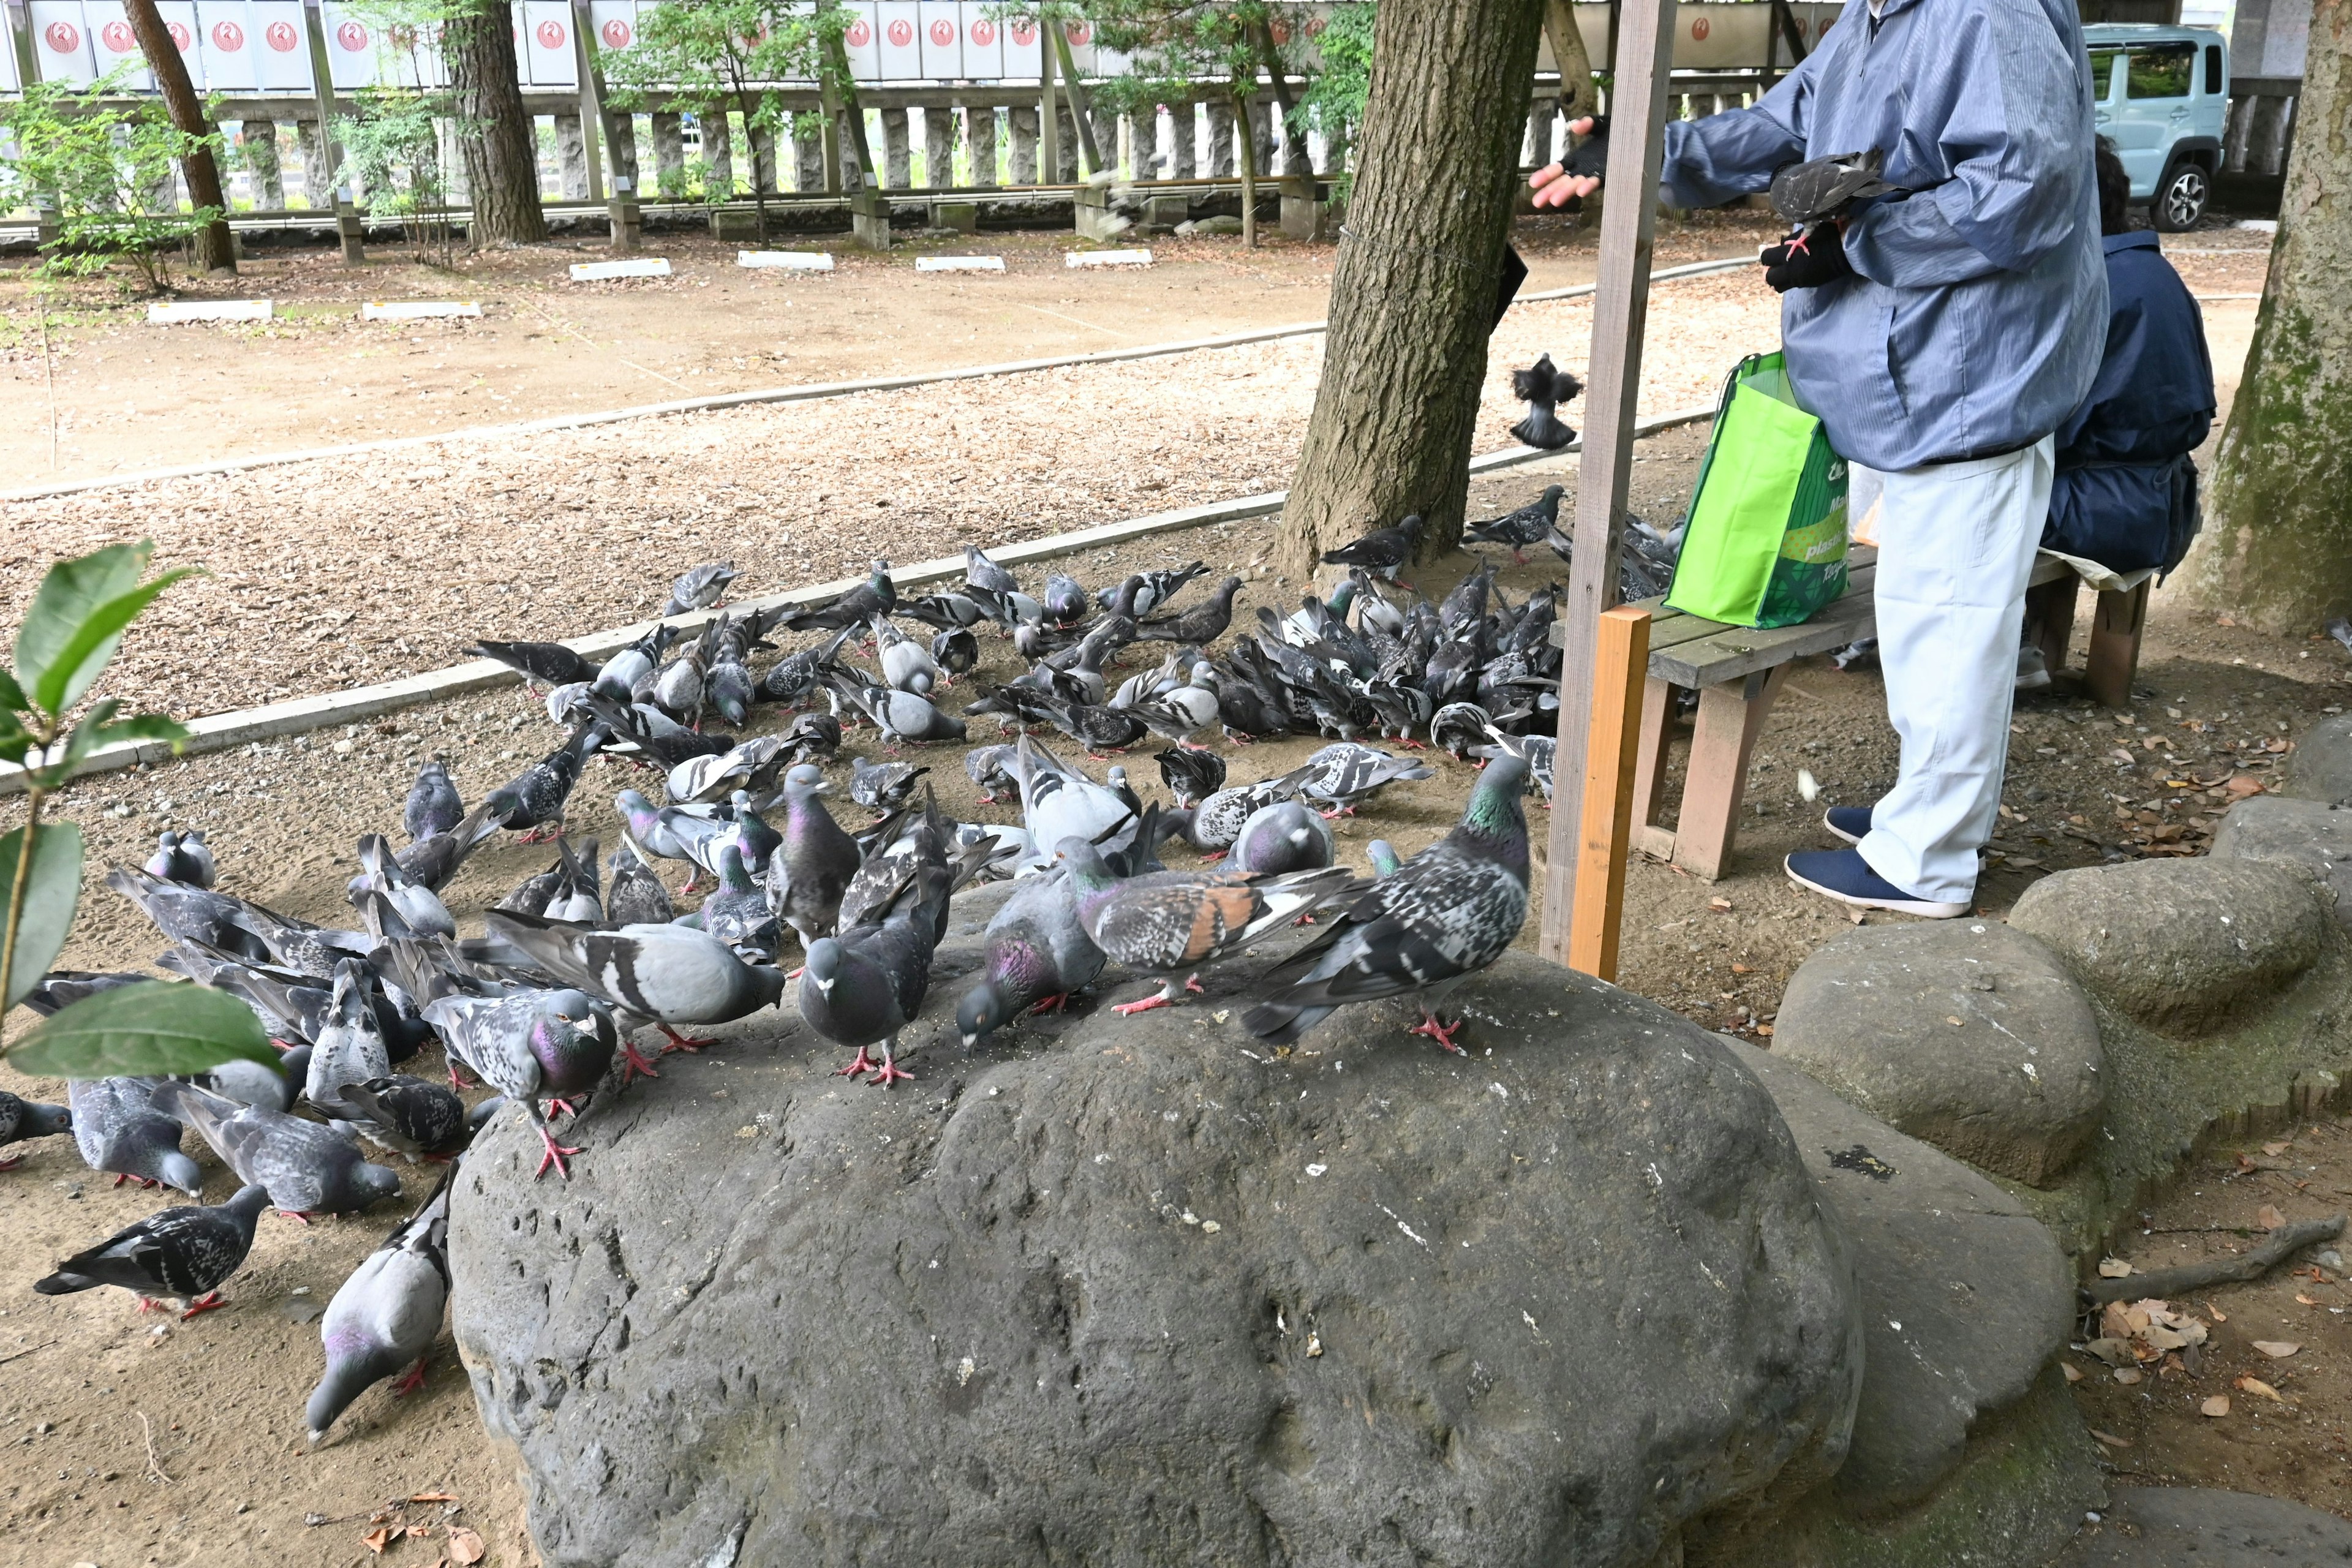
x: 1845, y: 876
x: 1851, y: 823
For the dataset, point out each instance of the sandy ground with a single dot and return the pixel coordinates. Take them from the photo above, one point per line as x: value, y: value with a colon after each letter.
x: 2214, y: 702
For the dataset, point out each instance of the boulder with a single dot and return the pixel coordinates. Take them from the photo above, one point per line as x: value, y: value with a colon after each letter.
x: 1144, y: 1291
x: 1964, y: 1295
x: 2320, y: 766
x: 2198, y: 1527
x: 2184, y: 947
x: 1969, y: 1035
x: 2311, y: 834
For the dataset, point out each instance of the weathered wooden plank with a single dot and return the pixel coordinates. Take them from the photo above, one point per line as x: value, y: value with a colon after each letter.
x: 1612, y: 744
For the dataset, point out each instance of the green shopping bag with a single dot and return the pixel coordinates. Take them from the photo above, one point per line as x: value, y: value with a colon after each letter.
x: 1766, y: 544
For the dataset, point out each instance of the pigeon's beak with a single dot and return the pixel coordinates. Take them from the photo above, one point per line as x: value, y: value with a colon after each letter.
x: 969, y: 1041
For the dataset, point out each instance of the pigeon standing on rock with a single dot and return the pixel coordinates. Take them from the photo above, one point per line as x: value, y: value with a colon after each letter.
x: 1038, y: 956
x: 126, y: 1127
x: 433, y: 805
x: 1448, y: 912
x: 385, y: 1316
x: 175, y: 1253
x: 533, y: 1044
x: 815, y: 861
x: 700, y: 588
x: 863, y: 986
x: 307, y: 1168
x: 662, y: 975
x: 22, y: 1119
x: 1543, y: 388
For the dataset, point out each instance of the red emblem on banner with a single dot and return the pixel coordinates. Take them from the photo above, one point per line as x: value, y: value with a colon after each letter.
x: 228, y: 36
x: 1024, y: 33
x: 900, y: 33
x: 181, y: 36
x: 62, y: 37
x: 550, y: 35
x: 983, y: 31
x: 282, y: 37
x: 118, y: 37
x: 615, y: 34
x: 943, y: 32
x: 859, y: 35
x: 1699, y: 29
x: 1077, y: 33
x: 352, y: 36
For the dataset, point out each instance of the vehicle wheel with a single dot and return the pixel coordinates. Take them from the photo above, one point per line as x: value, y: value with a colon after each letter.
x: 2180, y: 199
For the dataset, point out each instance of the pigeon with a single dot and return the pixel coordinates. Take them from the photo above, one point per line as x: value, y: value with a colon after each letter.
x: 882, y: 787
x: 619, y: 676
x: 813, y: 736
x: 182, y: 858
x: 1202, y: 624
x: 904, y: 716
x: 796, y: 675
x: 382, y: 872
x: 1382, y: 551
x: 410, y: 1116
x: 307, y: 1168
x: 1383, y: 858
x: 63, y: 988
x: 1065, y: 601
x: 1155, y: 588
x: 1213, y: 824
x: 1098, y: 730
x: 955, y: 650
x: 534, y: 800
x: 876, y: 595
x: 906, y: 665
x: 433, y: 806
x: 1183, y: 710
x: 432, y: 860
x: 2340, y: 629
x: 1821, y: 188
x: 1535, y: 750
x: 1520, y: 529
x: 863, y: 986
x: 727, y: 685
x: 737, y: 910
x: 752, y: 765
x: 1283, y: 836
x: 1039, y: 957
x: 1343, y: 774
x: 1448, y: 912
x: 680, y: 687
x: 533, y: 1045
x: 1543, y: 388
x: 176, y: 1253
x: 980, y: 572
x: 990, y: 768
x: 539, y: 664
x: 22, y: 1119
x: 662, y: 975
x: 944, y: 612
x: 123, y: 1126
x: 700, y: 588
x: 661, y: 832
x: 1057, y: 804
x: 576, y: 899
x: 814, y: 863
x: 385, y: 1316
x: 636, y: 896
x: 349, y: 1049
x: 1190, y: 773
x: 1173, y: 923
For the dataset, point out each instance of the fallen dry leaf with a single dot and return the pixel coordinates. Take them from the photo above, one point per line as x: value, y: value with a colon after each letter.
x: 2256, y: 1385
x: 2217, y: 1406
x: 2114, y: 1352
x: 2129, y: 1376
x: 376, y: 1540
x: 2276, y: 1150
x: 1742, y: 969
x: 2110, y: 1439
x: 2268, y: 1217
x: 1720, y: 906
x: 465, y: 1546
x: 2277, y: 1350
x: 2216, y: 1313
x: 2114, y: 1268
x: 2073, y: 1374
x: 2303, y: 1299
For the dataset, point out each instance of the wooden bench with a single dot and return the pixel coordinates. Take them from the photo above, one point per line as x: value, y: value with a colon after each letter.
x: 1737, y: 672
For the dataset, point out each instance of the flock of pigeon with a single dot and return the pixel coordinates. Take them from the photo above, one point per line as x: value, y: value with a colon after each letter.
x: 548, y: 1005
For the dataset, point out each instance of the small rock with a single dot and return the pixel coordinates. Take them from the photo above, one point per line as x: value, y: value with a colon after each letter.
x: 302, y: 1311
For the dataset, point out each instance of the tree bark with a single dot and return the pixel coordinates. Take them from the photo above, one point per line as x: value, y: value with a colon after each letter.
x: 1249, y: 166
x: 2277, y: 547
x: 1578, y: 97
x: 215, y: 252
x: 498, y: 137
x: 1413, y: 296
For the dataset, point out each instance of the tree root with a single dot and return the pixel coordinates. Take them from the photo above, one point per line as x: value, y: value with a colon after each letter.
x: 2166, y: 1284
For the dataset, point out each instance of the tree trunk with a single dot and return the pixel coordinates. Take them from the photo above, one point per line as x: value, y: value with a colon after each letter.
x: 1578, y: 97
x: 2277, y: 547
x: 214, y: 250
x: 501, y: 141
x: 1249, y: 170
x: 1413, y: 296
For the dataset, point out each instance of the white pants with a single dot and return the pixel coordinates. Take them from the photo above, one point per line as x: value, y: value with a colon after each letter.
x: 1955, y: 543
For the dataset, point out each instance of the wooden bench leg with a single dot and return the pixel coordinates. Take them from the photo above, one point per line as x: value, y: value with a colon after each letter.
x: 2050, y: 618
x: 1658, y: 699
x: 2113, y: 660
x: 1730, y: 717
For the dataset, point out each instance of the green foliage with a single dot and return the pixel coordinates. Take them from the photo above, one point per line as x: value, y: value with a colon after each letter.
x: 1335, y: 99
x: 102, y: 168
x: 144, y: 1031
x: 392, y: 146
x: 1176, y: 46
x: 69, y: 635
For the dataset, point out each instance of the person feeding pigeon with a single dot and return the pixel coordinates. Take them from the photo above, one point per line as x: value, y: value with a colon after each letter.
x: 1945, y: 304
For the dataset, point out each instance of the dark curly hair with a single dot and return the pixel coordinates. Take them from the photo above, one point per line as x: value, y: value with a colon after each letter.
x: 2115, y: 190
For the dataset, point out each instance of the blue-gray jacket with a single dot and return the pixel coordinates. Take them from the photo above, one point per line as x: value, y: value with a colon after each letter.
x: 1975, y: 323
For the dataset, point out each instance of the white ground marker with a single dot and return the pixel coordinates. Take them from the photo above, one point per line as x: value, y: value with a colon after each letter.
x: 1107, y: 259
x: 590, y: 271
x: 959, y: 264
x: 417, y: 310
x: 187, y: 311
x: 787, y: 260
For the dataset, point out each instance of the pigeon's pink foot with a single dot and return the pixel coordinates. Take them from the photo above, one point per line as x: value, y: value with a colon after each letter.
x: 1050, y: 1004
x: 204, y: 1303
x: 1213, y: 855
x: 296, y: 1215
x: 145, y: 1306
x: 12, y: 1162
x: 858, y: 1067
x: 1439, y: 1031
x: 1410, y: 744
x: 1161, y: 999
x: 634, y: 1062
x: 678, y: 1042
x: 1192, y: 984
x: 412, y: 1381
x: 562, y: 1105
x: 455, y: 1079
x: 554, y: 1156
x: 890, y: 1072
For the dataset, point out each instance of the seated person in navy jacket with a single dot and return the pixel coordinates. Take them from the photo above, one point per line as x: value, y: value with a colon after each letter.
x: 2124, y: 494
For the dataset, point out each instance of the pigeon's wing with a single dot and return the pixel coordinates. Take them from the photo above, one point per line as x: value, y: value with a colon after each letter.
x: 1176, y: 922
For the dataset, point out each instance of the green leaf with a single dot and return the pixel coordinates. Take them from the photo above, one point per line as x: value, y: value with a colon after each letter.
x: 12, y: 696
x: 83, y: 739
x: 91, y: 647
x: 143, y: 1031
x: 72, y: 589
x: 145, y: 727
x: 49, y: 899
x: 15, y: 741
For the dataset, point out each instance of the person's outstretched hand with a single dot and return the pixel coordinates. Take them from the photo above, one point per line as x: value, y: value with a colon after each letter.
x: 1581, y: 174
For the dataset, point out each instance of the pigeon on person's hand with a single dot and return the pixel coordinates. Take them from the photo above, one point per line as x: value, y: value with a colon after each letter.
x: 1820, y: 189
x: 175, y: 1253
x: 22, y: 1119
x: 433, y: 805
x: 700, y: 588
x: 125, y: 1128
x: 1446, y: 914
x: 309, y: 1169
x: 385, y: 1316
x: 1382, y: 551
x: 1543, y: 387
x: 1039, y: 957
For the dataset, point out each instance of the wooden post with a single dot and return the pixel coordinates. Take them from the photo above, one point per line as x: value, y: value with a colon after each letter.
x: 1049, y: 129
x: 1621, y: 662
x: 2117, y: 621
x: 1619, y: 307
x: 347, y: 227
x: 626, y: 221
x: 1090, y: 149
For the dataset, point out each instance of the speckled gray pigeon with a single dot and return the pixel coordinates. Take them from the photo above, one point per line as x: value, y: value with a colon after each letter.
x: 22, y: 1119
x: 635, y: 896
x: 124, y: 1127
x: 433, y: 805
x: 1038, y: 954
x: 385, y: 1316
x: 175, y: 1253
x: 533, y: 1045
x: 737, y: 910
x: 407, y: 1115
x: 882, y: 786
x: 307, y: 1168
x: 700, y: 588
x: 1447, y: 913
x: 349, y: 1047
x: 1345, y: 773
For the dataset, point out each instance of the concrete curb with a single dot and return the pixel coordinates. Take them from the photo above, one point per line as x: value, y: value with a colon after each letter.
x: 226, y: 731
x: 765, y: 395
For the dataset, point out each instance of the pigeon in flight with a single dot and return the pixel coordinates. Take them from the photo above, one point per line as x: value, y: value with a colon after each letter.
x: 1543, y: 388
x: 175, y: 1253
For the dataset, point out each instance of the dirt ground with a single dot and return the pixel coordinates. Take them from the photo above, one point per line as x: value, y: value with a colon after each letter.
x: 2216, y: 702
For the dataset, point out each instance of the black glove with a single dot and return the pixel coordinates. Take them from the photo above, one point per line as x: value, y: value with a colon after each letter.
x: 1590, y: 157
x: 1808, y: 261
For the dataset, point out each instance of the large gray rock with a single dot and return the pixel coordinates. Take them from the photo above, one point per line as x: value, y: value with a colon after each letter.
x: 2186, y: 946
x: 1964, y: 1295
x: 1964, y: 1033
x: 1138, y: 1291
x: 2311, y: 834
x: 2320, y: 766
x: 2196, y: 1527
